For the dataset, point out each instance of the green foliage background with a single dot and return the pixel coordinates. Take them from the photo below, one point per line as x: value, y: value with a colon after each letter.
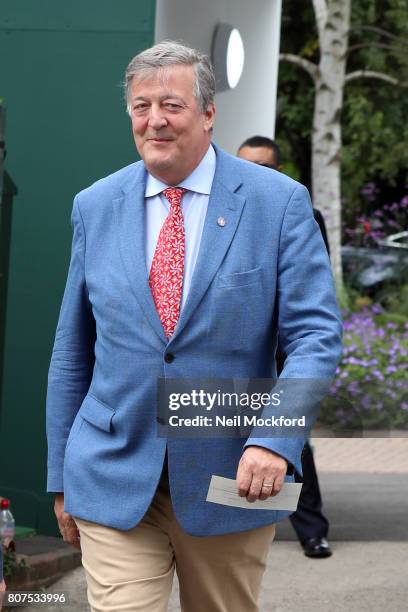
x: 375, y: 113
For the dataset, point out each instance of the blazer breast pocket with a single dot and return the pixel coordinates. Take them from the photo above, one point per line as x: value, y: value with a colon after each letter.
x: 240, y: 279
x: 238, y: 314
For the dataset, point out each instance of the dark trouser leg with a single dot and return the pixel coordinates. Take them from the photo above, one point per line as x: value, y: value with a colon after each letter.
x: 308, y: 521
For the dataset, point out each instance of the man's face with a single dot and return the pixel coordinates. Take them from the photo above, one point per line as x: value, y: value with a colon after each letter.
x: 171, y: 134
x: 259, y: 155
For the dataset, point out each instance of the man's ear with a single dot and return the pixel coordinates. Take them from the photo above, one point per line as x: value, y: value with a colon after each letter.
x: 209, y: 117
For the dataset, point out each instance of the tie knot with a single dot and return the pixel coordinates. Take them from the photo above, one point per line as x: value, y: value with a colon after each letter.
x: 174, y: 195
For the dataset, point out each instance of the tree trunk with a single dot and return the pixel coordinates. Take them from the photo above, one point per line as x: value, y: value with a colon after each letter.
x: 326, y: 136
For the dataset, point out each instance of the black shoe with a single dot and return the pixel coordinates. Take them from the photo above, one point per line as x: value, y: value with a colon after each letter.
x: 317, y: 548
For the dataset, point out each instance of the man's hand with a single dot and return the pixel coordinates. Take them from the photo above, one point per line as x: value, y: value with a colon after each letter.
x: 260, y: 474
x: 66, y: 523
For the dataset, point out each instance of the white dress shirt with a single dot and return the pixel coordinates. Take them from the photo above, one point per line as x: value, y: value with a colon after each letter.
x: 194, y: 205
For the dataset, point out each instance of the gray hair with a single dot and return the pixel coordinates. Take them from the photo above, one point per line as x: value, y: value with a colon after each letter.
x: 170, y: 53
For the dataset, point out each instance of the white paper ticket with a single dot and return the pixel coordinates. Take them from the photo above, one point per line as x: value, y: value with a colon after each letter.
x: 224, y: 491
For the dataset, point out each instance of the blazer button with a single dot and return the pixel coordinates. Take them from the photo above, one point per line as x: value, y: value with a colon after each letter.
x: 169, y: 357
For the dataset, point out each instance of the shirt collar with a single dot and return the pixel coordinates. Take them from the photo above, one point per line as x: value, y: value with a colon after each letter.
x: 200, y: 180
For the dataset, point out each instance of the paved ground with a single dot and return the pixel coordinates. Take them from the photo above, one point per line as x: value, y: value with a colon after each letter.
x: 359, y: 577
x: 362, y: 507
x: 367, y: 455
x: 365, y: 490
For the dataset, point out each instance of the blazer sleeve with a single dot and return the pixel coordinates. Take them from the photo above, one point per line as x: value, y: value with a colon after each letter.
x: 72, y: 358
x: 309, y: 323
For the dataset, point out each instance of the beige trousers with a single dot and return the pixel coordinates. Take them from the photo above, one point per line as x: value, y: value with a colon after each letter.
x: 132, y: 571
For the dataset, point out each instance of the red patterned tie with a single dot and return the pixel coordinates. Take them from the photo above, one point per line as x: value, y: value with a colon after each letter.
x: 166, y: 273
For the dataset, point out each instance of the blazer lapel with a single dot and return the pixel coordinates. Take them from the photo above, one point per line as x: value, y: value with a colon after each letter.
x: 224, y: 206
x: 130, y: 218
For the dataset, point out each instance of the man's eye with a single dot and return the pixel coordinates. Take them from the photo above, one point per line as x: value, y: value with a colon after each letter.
x: 139, y: 107
x: 172, y: 106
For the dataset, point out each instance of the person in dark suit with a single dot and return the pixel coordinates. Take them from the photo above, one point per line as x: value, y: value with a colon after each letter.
x: 308, y: 521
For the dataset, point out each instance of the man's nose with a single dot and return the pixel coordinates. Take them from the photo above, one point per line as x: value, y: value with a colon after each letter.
x: 157, y: 118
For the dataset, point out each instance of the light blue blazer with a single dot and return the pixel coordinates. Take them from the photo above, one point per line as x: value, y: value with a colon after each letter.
x: 265, y: 270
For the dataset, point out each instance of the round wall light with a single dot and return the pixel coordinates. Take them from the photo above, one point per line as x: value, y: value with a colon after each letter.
x: 228, y: 55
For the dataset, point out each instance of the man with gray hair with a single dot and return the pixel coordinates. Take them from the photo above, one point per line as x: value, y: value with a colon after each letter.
x: 179, y: 270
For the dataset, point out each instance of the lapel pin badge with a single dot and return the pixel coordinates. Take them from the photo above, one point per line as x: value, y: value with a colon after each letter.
x: 221, y: 221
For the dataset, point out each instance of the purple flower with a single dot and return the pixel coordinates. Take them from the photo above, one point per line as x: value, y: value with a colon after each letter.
x: 394, y: 224
x: 366, y: 401
x: 353, y: 388
x: 369, y: 191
